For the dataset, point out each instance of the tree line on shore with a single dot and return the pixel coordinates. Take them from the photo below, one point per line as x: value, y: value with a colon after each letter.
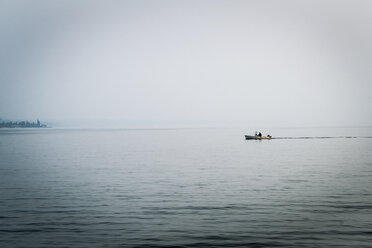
x: 21, y: 124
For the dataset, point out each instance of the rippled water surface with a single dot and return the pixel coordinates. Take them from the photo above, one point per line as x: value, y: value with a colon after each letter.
x: 184, y: 188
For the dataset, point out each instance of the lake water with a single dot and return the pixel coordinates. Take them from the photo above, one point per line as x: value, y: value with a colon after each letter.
x: 185, y: 188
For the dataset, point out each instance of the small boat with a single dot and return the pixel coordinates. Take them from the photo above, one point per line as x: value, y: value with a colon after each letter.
x: 249, y: 137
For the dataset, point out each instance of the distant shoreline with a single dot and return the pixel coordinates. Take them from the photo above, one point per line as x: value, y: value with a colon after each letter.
x: 22, y: 124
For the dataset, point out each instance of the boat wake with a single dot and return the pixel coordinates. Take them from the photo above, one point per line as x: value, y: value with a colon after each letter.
x: 326, y: 137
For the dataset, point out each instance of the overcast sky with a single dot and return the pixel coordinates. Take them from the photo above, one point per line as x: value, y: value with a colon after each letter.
x: 302, y: 62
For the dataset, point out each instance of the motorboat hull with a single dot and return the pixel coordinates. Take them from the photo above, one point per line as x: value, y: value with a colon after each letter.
x: 249, y: 137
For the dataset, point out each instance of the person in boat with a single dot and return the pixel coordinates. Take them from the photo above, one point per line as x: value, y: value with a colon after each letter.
x: 255, y: 133
x: 269, y: 136
x: 259, y: 134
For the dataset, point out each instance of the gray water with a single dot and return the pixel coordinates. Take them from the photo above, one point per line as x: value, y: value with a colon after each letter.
x: 185, y: 188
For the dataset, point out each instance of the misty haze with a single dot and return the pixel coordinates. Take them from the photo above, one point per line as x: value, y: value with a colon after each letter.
x: 185, y: 123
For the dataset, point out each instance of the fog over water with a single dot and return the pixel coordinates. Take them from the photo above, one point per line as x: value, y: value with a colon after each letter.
x: 148, y: 104
x: 221, y: 63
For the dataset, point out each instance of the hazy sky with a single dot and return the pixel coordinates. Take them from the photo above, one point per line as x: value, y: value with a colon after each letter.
x: 303, y: 62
